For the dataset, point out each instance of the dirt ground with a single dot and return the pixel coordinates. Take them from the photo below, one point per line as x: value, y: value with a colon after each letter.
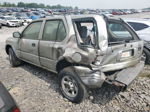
x: 36, y: 90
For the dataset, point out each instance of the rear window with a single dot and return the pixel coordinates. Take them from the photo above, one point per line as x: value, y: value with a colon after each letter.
x: 138, y: 26
x: 118, y: 31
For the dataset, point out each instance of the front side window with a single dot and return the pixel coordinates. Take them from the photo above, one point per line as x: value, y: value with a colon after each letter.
x: 118, y: 31
x: 138, y: 26
x: 32, y: 31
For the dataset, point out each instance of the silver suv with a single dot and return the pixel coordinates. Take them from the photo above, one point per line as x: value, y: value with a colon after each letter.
x: 85, y: 51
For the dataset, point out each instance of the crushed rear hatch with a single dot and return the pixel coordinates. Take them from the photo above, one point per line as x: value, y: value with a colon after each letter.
x: 124, y: 49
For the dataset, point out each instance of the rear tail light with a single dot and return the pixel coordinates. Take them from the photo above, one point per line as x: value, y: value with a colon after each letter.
x: 16, y: 110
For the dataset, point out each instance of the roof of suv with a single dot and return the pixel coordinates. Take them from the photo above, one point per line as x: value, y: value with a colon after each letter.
x: 76, y: 17
x: 72, y: 16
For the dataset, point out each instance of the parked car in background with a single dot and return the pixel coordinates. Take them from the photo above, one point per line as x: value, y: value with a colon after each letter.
x: 7, y: 103
x: 23, y: 17
x: 81, y: 49
x: 0, y: 25
x: 142, y: 28
x: 25, y: 20
x: 106, y: 13
x: 10, y: 21
x: 32, y: 16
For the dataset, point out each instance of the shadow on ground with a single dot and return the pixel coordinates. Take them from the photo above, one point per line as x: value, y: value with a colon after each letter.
x: 43, y: 74
x: 105, y: 94
x: 100, y: 96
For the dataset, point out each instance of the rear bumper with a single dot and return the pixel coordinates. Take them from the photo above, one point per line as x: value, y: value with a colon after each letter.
x: 126, y: 76
x: 119, y: 66
x: 95, y: 78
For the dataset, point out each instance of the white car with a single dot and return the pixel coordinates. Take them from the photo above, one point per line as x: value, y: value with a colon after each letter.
x: 142, y: 28
x: 10, y: 21
x: 25, y: 19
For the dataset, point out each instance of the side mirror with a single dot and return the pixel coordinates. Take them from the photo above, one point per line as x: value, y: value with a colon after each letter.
x: 16, y: 35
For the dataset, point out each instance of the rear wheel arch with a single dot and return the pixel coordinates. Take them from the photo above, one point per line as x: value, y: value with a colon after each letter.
x: 81, y: 88
x: 61, y: 64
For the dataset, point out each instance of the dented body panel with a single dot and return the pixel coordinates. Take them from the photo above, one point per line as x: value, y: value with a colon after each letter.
x: 89, y: 61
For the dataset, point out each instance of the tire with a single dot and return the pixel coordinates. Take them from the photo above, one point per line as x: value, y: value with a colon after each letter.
x: 8, y: 25
x: 79, y: 88
x: 147, y: 56
x: 14, y: 61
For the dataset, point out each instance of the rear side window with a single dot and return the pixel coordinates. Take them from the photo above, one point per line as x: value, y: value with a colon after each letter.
x: 138, y: 26
x: 50, y: 30
x: 32, y: 31
x: 54, y: 31
x: 61, y: 34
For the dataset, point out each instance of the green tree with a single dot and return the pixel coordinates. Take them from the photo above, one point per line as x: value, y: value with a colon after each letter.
x: 35, y: 5
x: 21, y: 4
x: 48, y: 6
x: 41, y: 5
x: 76, y: 8
x: 32, y: 5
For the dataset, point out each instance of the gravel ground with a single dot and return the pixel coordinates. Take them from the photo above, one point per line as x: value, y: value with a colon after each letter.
x: 36, y: 90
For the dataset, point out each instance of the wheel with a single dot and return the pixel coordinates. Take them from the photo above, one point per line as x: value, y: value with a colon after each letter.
x: 8, y: 25
x: 146, y: 55
x: 14, y: 61
x: 0, y: 25
x: 71, y: 86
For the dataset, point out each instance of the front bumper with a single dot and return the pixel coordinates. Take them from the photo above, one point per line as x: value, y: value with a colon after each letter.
x: 95, y: 78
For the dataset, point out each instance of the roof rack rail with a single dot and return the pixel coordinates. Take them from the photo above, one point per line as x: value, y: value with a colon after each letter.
x: 104, y: 16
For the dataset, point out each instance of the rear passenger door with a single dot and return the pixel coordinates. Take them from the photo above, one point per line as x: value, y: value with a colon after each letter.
x: 47, y: 45
x: 29, y: 43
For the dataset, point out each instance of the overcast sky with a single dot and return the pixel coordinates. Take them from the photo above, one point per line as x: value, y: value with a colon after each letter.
x: 100, y: 4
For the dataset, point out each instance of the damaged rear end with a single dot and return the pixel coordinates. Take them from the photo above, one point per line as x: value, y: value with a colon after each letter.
x: 124, y: 53
x: 116, y: 58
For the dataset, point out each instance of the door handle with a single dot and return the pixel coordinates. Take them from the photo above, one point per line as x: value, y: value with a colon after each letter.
x: 33, y: 44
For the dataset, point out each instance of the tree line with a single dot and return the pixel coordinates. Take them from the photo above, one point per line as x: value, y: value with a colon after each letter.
x: 34, y: 5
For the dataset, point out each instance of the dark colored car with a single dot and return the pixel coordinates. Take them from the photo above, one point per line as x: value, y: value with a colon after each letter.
x: 0, y: 25
x: 7, y: 103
